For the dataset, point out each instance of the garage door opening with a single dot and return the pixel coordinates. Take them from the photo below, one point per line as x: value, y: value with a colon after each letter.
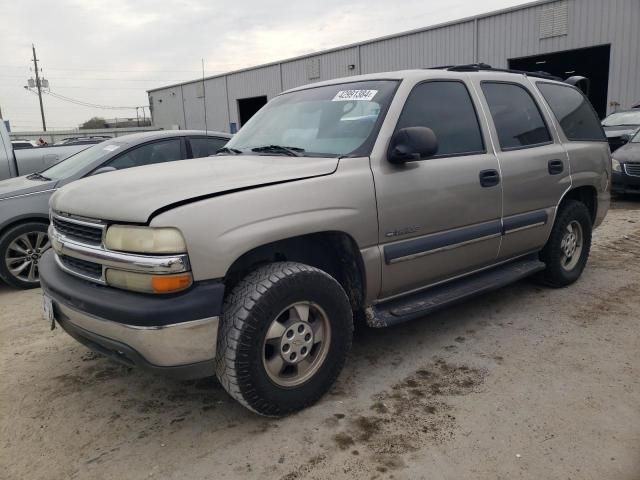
x: 247, y: 107
x: 592, y: 62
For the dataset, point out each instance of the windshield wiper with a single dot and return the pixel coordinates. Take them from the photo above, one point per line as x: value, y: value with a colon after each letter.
x: 38, y: 176
x: 233, y: 151
x: 291, y: 151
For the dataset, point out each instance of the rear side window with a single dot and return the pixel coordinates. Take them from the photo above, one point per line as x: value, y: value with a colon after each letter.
x: 516, y: 116
x: 574, y: 112
x: 203, y: 147
x: 447, y: 109
x: 149, y: 154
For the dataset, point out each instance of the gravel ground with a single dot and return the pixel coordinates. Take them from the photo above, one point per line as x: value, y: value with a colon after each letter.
x: 526, y: 382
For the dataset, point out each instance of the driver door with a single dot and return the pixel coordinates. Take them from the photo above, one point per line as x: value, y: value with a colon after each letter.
x: 438, y: 218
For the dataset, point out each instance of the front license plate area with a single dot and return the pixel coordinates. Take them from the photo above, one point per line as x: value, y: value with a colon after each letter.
x: 47, y: 311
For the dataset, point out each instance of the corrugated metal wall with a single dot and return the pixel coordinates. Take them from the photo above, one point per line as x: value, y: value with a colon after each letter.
x: 493, y: 39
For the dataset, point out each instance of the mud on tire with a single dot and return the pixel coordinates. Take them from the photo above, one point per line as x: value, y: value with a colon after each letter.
x: 572, y: 217
x: 250, y: 311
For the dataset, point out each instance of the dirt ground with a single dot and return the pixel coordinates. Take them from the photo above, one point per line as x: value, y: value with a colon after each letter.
x: 526, y: 382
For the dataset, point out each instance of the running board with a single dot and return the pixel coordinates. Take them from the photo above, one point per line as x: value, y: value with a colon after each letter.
x: 422, y: 303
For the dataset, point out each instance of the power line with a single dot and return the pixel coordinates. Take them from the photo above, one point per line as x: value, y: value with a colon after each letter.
x: 109, y: 70
x: 84, y: 103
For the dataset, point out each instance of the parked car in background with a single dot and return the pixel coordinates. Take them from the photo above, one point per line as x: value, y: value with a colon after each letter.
x: 19, y: 144
x: 626, y: 166
x: 24, y: 201
x: 89, y: 140
x: 386, y: 195
x: 618, y: 126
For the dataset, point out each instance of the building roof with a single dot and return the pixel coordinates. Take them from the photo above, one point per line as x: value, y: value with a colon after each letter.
x: 365, y: 42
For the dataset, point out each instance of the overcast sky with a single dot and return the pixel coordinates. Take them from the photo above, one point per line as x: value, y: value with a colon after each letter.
x: 109, y: 52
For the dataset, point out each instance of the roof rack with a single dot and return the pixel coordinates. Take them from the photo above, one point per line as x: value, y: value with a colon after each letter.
x: 477, y: 67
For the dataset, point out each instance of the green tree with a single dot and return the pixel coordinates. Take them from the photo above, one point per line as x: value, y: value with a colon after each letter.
x: 92, y: 123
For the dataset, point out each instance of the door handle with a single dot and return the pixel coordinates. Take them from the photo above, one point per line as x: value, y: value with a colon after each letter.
x: 489, y: 178
x: 556, y: 167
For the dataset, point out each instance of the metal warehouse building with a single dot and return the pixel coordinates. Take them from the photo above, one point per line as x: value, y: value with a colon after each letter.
x: 599, y: 39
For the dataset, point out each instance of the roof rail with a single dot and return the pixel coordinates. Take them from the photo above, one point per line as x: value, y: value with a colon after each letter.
x: 477, y: 67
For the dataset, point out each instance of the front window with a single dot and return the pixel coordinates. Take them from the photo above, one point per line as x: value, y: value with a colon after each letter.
x: 622, y: 119
x: 330, y: 121
x: 79, y: 161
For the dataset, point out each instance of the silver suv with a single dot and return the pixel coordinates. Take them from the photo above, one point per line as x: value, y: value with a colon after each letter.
x: 387, y: 196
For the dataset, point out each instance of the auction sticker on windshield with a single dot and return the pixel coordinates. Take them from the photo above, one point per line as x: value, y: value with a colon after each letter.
x: 349, y: 95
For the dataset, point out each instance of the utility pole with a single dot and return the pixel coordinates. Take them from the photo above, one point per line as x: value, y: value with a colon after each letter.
x: 35, y: 64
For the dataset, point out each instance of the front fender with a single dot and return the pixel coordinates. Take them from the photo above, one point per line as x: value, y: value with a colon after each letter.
x: 220, y: 230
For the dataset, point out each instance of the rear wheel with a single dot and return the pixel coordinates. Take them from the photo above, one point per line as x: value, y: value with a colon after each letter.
x: 20, y: 250
x: 283, y: 338
x: 567, y: 250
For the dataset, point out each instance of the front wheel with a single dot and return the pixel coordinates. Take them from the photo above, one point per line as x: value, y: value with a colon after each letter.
x: 284, y: 337
x: 567, y: 250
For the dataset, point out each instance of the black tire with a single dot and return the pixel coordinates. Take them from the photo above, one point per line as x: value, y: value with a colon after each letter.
x: 556, y: 275
x: 248, y: 313
x: 32, y: 229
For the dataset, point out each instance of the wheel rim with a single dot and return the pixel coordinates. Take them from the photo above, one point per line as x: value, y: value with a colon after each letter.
x: 571, y: 246
x: 23, y: 254
x: 296, y: 344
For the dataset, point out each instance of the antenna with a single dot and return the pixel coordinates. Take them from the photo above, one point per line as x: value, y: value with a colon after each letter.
x: 204, y: 100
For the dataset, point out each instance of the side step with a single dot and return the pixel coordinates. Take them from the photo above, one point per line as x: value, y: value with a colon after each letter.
x: 422, y: 303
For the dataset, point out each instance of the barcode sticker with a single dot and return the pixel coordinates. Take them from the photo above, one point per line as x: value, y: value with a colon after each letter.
x: 349, y: 95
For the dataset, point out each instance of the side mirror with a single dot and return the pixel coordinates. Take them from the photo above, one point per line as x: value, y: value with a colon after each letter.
x: 104, y: 170
x: 411, y: 144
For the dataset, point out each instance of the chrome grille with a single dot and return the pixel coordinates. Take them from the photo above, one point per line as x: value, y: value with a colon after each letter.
x: 81, y: 267
x: 80, y: 231
x: 632, y: 168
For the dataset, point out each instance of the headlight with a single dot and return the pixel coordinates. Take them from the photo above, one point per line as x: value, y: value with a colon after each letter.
x: 126, y: 238
x: 615, y: 165
x: 145, y: 283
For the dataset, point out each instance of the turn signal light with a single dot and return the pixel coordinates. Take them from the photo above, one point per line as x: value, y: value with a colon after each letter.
x: 171, y: 283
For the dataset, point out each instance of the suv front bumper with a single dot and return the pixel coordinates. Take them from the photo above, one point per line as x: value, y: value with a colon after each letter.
x: 174, y: 334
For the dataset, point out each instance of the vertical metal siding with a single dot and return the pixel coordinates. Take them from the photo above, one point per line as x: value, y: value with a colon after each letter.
x: 168, y: 108
x: 499, y: 37
x: 252, y: 83
x: 332, y: 65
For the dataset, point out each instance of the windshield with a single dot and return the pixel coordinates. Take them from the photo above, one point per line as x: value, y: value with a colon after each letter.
x: 636, y: 137
x: 622, y: 118
x: 331, y: 121
x: 75, y: 163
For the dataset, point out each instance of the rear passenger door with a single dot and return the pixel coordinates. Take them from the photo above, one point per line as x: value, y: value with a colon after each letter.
x: 534, y: 164
x: 205, y: 146
x: 161, y: 151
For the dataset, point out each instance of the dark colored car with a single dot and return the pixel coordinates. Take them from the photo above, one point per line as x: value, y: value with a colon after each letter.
x: 626, y: 167
x: 619, y: 124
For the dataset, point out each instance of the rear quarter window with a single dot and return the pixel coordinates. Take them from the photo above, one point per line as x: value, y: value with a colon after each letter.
x: 573, y: 111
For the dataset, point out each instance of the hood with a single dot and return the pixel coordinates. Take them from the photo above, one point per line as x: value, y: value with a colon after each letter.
x: 22, y: 185
x: 133, y: 195
x: 620, y: 130
x: 628, y: 153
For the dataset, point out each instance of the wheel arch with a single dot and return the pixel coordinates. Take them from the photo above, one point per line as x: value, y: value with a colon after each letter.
x: 586, y: 194
x: 21, y: 219
x: 335, y: 252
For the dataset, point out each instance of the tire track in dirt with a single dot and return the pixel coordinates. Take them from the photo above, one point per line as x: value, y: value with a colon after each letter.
x: 401, y: 420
